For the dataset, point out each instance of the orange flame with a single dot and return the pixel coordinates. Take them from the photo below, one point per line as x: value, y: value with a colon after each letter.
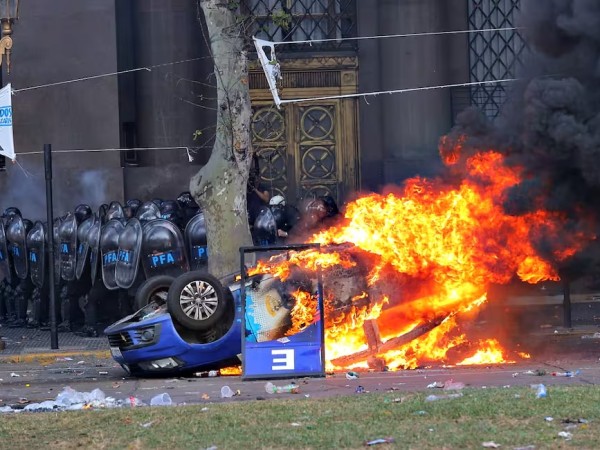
x: 428, y: 255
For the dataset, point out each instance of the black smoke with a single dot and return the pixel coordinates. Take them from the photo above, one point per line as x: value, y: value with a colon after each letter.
x: 550, y: 124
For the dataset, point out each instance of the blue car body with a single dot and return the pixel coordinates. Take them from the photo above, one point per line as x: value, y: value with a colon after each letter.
x: 148, y: 342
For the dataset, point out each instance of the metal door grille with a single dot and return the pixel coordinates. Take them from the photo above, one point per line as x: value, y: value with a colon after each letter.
x: 304, y: 20
x: 493, y: 55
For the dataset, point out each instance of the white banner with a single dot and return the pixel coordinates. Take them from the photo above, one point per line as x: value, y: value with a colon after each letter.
x: 7, y: 145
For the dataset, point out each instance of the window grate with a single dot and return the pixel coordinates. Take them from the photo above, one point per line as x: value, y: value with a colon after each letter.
x: 493, y: 55
x: 300, y: 20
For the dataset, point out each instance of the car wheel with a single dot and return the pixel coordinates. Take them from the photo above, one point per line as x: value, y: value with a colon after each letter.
x: 197, y: 300
x: 154, y: 289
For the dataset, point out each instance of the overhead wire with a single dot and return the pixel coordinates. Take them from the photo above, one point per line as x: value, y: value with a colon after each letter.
x: 387, y: 36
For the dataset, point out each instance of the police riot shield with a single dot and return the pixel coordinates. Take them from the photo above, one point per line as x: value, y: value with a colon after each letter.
x: 67, y: 235
x: 195, y: 240
x: 36, y: 246
x: 128, y: 255
x: 163, y: 249
x: 5, y: 269
x: 265, y: 228
x: 55, y: 235
x: 115, y: 211
x: 17, y: 246
x: 83, y: 246
x: 93, y: 240
x: 109, y: 246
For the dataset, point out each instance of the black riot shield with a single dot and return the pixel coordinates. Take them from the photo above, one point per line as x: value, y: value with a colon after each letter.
x: 67, y: 235
x: 93, y: 240
x: 17, y: 246
x: 163, y: 249
x: 109, y: 247
x: 115, y: 211
x: 128, y: 255
x: 83, y: 246
x: 36, y: 246
x: 55, y: 235
x: 265, y: 228
x: 195, y: 240
x: 5, y: 269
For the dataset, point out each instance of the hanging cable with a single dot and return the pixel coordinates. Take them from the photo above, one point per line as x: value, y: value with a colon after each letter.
x: 387, y: 36
x: 397, y: 91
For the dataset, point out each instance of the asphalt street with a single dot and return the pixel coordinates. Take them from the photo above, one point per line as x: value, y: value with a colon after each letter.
x: 25, y: 382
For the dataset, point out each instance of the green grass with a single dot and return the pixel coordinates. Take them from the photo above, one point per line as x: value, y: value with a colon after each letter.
x: 510, y: 417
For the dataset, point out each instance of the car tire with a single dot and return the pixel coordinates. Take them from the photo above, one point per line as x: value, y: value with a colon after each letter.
x: 197, y: 300
x: 153, y: 289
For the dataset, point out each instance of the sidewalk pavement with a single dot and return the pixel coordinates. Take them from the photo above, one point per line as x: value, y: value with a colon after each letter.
x: 32, y: 344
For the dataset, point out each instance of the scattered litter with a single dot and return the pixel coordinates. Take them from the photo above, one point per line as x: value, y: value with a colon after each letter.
x: 214, y: 373
x: 591, y: 336
x: 161, y: 400
x: 204, y: 409
x: 103, y: 373
x: 307, y: 395
x: 527, y: 447
x: 453, y: 385
x: 567, y: 374
x: 420, y: 413
x: 66, y: 358
x: 80, y: 362
x: 360, y: 390
x: 295, y: 424
x: 135, y: 402
x: 14, y: 375
x: 490, y: 444
x: 283, y: 340
x: 565, y: 434
x: 147, y: 424
x: 388, y: 440
x: 549, y: 419
x: 537, y: 372
x: 433, y: 398
x: 291, y: 388
x: 540, y: 390
x: 575, y: 421
x: 227, y: 392
x: 351, y: 375
x: 435, y: 384
x: 212, y: 447
x: 205, y: 396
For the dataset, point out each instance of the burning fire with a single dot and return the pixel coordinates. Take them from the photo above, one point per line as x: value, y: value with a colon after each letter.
x: 428, y: 255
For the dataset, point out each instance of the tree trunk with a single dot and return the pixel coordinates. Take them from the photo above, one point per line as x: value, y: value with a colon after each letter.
x: 220, y: 186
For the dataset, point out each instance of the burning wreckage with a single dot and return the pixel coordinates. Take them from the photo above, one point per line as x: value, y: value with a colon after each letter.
x: 404, y: 274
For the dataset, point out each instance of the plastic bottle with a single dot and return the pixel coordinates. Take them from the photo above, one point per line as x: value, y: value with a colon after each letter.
x: 291, y: 388
x: 433, y: 398
x: 541, y: 391
x: 565, y: 374
x: 226, y: 392
x: 161, y: 400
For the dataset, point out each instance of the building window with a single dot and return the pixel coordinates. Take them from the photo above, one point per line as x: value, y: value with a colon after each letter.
x: 493, y: 55
x: 129, y: 141
x: 300, y: 20
x: 2, y: 163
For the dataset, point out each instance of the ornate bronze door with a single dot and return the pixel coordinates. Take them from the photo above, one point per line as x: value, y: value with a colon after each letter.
x: 308, y: 149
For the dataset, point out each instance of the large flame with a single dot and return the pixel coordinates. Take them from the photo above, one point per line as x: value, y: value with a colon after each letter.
x: 428, y: 256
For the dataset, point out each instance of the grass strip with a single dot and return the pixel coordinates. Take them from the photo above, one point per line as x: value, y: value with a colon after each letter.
x: 511, y: 417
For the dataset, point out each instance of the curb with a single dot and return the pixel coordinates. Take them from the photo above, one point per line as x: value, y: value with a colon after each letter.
x: 51, y: 356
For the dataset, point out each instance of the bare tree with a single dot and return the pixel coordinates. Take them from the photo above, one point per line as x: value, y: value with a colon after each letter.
x: 220, y: 186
